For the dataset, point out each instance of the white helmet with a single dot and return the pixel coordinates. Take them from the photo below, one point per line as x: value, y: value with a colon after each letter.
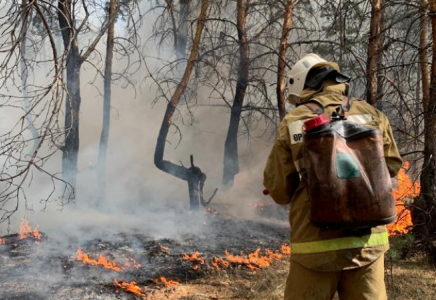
x: 297, y: 75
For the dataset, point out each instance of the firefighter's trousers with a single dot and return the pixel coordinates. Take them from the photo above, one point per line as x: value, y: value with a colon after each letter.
x: 365, y: 283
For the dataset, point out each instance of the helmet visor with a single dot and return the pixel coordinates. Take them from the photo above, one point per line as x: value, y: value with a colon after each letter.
x: 318, y: 74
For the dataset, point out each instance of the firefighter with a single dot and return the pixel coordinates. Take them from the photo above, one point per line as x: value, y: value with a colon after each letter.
x: 325, y: 261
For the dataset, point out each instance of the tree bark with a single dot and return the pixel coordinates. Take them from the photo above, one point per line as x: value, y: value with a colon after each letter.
x: 25, y: 75
x: 424, y: 70
x: 72, y: 104
x: 101, y: 168
x: 193, y: 175
x: 373, y: 52
x: 425, y: 221
x: 423, y: 53
x: 182, y: 31
x: 380, y: 65
x: 342, y: 25
x: 231, y: 162
x: 280, y: 90
x: 423, y: 73
x: 72, y: 109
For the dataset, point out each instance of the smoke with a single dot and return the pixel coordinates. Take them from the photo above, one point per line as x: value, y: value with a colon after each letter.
x: 139, y: 196
x: 142, y: 203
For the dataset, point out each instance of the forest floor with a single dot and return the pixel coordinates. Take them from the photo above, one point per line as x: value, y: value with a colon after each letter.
x: 47, y: 268
x: 412, y: 278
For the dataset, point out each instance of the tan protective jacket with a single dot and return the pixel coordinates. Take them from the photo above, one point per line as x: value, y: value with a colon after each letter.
x: 316, y: 248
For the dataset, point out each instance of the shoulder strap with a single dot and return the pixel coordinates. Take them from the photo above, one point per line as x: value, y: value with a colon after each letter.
x: 314, y: 107
x: 318, y: 109
x: 346, y: 100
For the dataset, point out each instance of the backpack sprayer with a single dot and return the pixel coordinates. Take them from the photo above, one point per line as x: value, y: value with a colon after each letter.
x: 347, y: 178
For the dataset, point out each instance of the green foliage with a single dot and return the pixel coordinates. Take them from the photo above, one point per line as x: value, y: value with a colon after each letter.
x: 400, y: 246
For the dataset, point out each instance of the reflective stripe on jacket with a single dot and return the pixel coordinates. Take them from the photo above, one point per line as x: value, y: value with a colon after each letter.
x: 313, y: 247
x: 350, y: 242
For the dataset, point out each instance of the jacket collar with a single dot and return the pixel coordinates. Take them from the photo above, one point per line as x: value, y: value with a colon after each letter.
x: 331, y: 93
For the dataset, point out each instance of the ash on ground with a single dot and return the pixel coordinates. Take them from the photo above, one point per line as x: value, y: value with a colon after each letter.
x: 50, y: 269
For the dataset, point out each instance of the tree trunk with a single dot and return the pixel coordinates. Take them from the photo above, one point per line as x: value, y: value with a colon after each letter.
x: 423, y: 53
x: 25, y: 75
x: 192, y: 175
x: 72, y: 109
x: 419, y: 208
x: 101, y: 168
x: 231, y: 163
x: 283, y: 47
x: 182, y: 31
x: 380, y: 65
x: 72, y: 104
x: 425, y: 221
x: 373, y: 52
x: 342, y: 24
x: 424, y: 70
x: 167, y: 166
x: 418, y: 109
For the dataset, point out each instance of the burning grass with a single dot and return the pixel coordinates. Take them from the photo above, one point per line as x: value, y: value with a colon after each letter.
x: 130, y: 287
x: 102, y: 261
x: 285, y: 249
x: 101, y: 264
x: 166, y: 283
x: 195, y: 259
x: 411, y: 280
x: 252, y: 261
x: 237, y: 283
x: 26, y: 231
x: 219, y: 263
x: 216, y: 251
x: 221, y: 274
x: 228, y: 236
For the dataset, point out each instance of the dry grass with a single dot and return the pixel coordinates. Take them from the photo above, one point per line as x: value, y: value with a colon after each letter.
x: 412, y: 279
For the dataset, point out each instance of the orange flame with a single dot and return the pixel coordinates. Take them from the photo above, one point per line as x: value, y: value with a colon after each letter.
x: 285, y: 249
x: 272, y: 255
x: 26, y: 231
x: 194, y: 258
x: 254, y: 261
x: 165, y: 282
x: 130, y: 287
x: 216, y: 262
x: 259, y: 261
x: 2, y: 241
x: 36, y: 233
x: 406, y: 191
x: 102, y: 261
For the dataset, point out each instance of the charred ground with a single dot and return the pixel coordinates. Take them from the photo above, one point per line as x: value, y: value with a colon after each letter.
x: 49, y: 268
